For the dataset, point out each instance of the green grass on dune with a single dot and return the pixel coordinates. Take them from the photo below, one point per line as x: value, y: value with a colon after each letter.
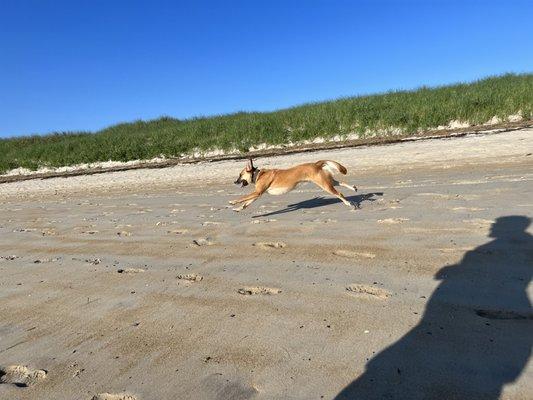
x: 411, y: 111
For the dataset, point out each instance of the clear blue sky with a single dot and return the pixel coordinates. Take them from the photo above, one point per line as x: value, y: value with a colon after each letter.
x: 84, y: 65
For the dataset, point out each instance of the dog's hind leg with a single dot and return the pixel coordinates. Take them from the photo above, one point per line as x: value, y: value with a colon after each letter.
x: 346, y: 185
x: 328, y: 187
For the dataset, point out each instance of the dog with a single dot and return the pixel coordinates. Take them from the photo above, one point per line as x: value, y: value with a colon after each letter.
x: 281, y: 181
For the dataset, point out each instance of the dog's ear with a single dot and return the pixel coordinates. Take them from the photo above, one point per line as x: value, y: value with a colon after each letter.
x: 250, y: 165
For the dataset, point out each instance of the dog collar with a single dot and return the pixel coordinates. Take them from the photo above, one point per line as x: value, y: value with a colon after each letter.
x: 255, y: 175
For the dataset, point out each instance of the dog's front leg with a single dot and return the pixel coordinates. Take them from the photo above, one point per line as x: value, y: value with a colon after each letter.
x: 247, y: 200
x: 254, y: 195
x: 246, y: 204
x: 241, y: 199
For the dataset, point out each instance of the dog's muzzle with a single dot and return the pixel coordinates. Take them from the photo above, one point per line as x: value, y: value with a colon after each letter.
x: 241, y: 182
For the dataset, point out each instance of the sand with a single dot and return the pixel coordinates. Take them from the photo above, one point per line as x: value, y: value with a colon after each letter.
x: 422, y: 293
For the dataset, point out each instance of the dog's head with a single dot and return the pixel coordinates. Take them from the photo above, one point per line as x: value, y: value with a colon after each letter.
x: 246, y: 175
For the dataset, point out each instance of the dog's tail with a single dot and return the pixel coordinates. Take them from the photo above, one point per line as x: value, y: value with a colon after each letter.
x: 332, y: 166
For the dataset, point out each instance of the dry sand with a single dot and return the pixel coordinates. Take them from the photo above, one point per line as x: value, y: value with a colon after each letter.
x: 410, y: 297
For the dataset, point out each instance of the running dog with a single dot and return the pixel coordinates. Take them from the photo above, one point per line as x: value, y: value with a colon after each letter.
x: 281, y: 181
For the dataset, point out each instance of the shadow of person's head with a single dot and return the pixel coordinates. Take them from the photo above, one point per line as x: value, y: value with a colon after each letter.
x: 513, y: 225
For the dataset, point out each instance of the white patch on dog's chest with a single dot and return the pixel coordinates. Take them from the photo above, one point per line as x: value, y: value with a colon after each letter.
x: 278, y: 190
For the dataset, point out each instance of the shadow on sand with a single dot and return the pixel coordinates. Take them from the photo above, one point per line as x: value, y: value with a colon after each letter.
x: 476, y: 333
x: 321, y: 202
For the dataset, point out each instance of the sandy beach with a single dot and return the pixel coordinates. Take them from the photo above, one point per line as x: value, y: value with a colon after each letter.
x: 146, y: 284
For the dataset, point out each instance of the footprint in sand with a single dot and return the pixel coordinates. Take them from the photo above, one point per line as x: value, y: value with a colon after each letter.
x: 263, y: 221
x: 203, y: 242
x: 46, y: 260
x: 178, y: 231
x: 124, y: 233
x: 9, y: 258
x: 118, y: 396
x: 208, y: 223
x: 368, y: 291
x: 392, y: 221
x: 270, y: 245
x: 353, y: 254
x: 143, y: 211
x: 21, y: 375
x: 249, y: 291
x: 92, y: 261
x: 24, y: 230
x: 130, y: 270
x: 190, y: 277
x: 324, y: 221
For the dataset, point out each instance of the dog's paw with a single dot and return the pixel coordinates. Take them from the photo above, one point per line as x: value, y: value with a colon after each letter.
x: 355, y: 206
x: 238, y: 209
x: 232, y: 202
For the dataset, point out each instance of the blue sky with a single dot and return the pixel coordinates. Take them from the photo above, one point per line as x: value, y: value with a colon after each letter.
x: 84, y: 65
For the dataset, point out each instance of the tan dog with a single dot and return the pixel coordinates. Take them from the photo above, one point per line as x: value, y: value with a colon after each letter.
x: 281, y: 181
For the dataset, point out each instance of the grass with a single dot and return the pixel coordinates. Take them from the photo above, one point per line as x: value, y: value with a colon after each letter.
x: 410, y: 111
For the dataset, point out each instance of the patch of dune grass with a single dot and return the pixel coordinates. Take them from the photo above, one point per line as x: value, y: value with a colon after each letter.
x: 409, y: 111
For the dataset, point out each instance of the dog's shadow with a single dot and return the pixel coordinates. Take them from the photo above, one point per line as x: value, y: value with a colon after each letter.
x: 323, y: 201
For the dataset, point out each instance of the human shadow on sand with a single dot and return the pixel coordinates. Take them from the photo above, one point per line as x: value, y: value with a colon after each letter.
x: 475, y: 335
x: 321, y: 202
